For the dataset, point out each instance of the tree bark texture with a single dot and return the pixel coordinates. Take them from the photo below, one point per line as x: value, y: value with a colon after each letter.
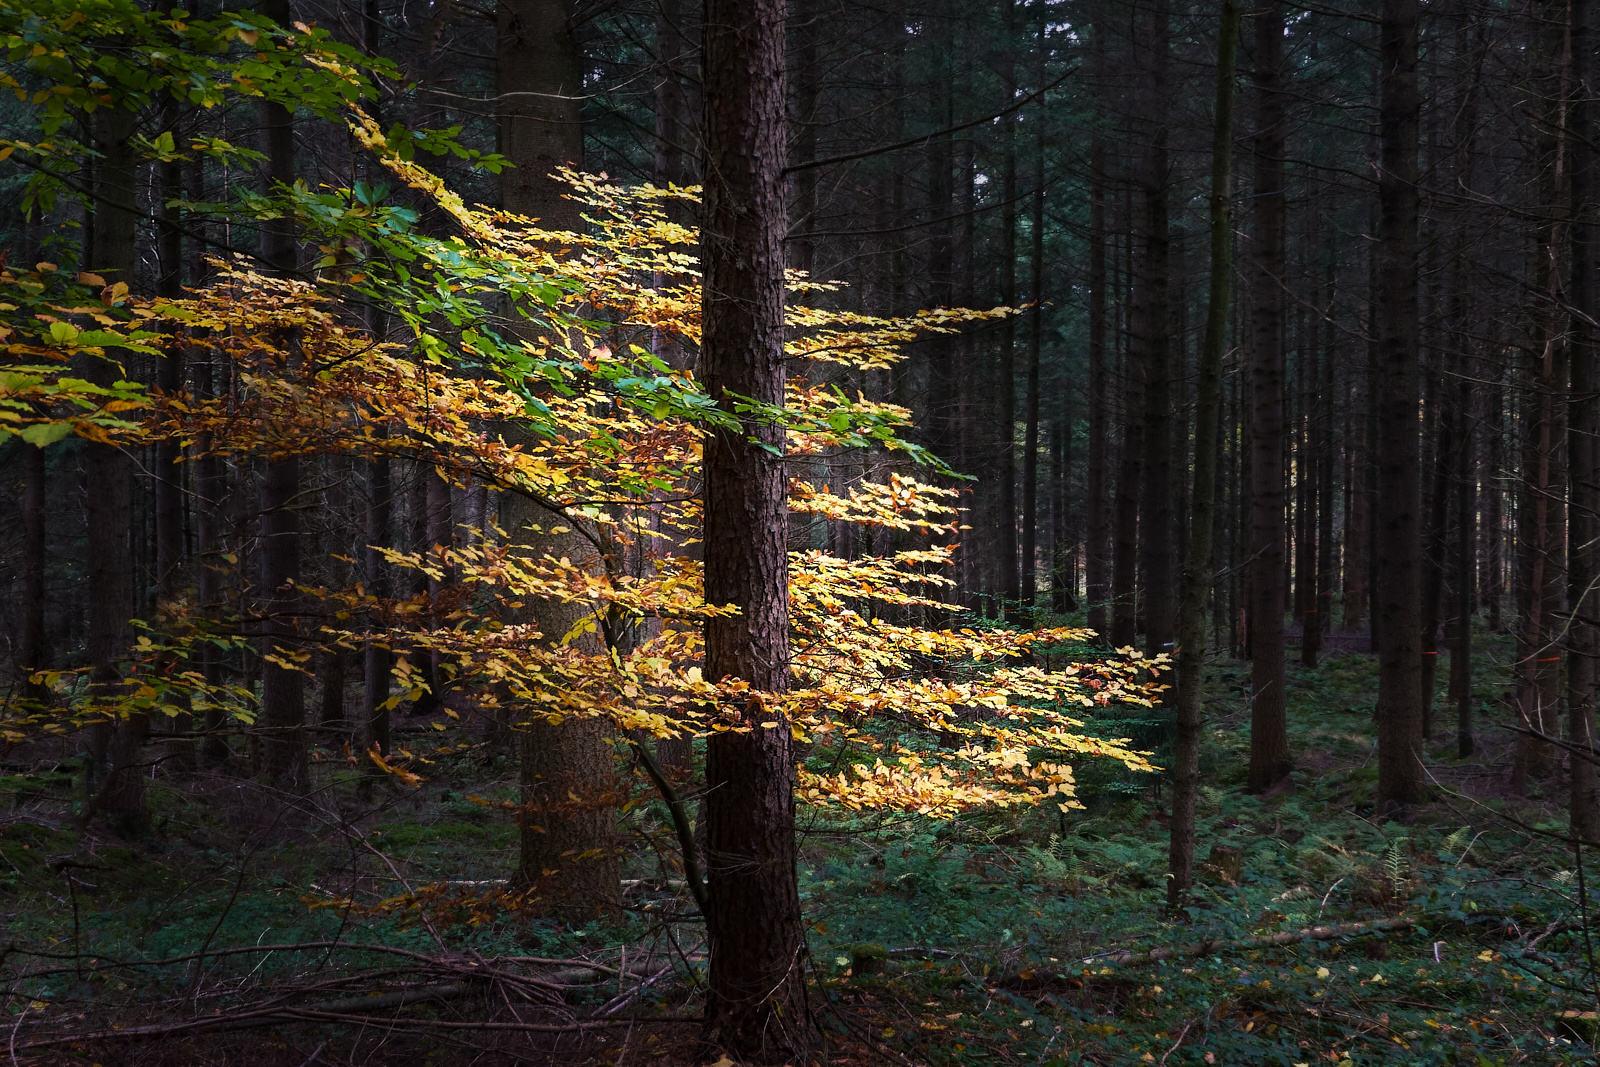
x: 756, y: 1008
x: 568, y: 851
x: 1398, y: 546
x: 1583, y: 424
x: 1195, y: 579
x: 1269, y: 739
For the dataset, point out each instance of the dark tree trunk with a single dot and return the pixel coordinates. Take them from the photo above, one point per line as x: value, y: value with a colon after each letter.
x: 33, y: 653
x: 283, y: 696
x: 1197, y: 569
x: 1153, y: 317
x: 1030, y: 436
x: 756, y: 1006
x: 568, y: 848
x: 1397, y: 592
x: 1010, y: 585
x: 1356, y: 520
x: 1097, y: 542
x: 1583, y: 424
x: 115, y: 782
x: 376, y: 660
x: 1269, y: 739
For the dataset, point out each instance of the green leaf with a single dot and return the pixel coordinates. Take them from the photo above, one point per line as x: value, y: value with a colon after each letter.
x: 44, y: 434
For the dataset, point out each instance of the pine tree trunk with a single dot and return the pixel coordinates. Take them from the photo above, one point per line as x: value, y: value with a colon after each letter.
x: 1397, y: 592
x: 1156, y: 519
x: 756, y: 1006
x: 568, y: 848
x: 377, y: 659
x: 1010, y: 585
x: 114, y: 780
x: 33, y: 653
x: 1196, y: 576
x: 1269, y: 739
x: 283, y: 697
x: 1030, y: 436
x: 1583, y: 424
x: 1097, y: 543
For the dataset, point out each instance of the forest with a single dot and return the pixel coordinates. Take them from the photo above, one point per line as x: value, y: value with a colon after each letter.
x: 778, y: 532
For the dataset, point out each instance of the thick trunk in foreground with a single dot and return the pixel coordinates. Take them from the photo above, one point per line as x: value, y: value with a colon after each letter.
x: 1397, y: 592
x: 1269, y: 738
x: 756, y: 1007
x: 1195, y: 581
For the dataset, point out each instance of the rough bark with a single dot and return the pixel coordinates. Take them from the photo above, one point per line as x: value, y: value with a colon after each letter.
x: 1269, y: 739
x: 1097, y: 543
x: 568, y: 848
x: 1195, y: 578
x: 283, y: 689
x: 1153, y: 320
x: 114, y: 779
x: 1397, y: 592
x: 756, y: 1005
x: 1583, y: 424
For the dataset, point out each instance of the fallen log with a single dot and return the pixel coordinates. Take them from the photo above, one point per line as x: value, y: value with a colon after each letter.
x: 1333, y: 932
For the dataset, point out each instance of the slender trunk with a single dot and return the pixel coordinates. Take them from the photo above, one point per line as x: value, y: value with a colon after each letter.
x: 115, y: 745
x: 1434, y: 559
x: 1195, y: 578
x: 33, y: 653
x: 283, y: 698
x: 1583, y: 424
x: 1466, y: 539
x: 1010, y: 586
x: 1270, y: 762
x: 1398, y: 546
x: 1156, y: 519
x: 756, y: 1005
x: 376, y: 659
x: 1098, y: 541
x: 1030, y: 437
x: 211, y: 493
x: 1356, y: 518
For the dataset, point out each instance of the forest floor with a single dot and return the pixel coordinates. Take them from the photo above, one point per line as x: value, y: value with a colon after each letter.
x: 986, y: 940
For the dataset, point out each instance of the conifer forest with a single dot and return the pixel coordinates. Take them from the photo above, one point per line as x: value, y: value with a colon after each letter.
x: 704, y: 533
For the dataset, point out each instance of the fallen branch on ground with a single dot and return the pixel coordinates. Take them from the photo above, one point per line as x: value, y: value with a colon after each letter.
x: 1333, y: 932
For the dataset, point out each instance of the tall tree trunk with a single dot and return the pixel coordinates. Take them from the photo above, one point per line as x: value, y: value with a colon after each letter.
x: 1325, y: 462
x: 1156, y: 518
x: 1397, y: 592
x: 115, y: 782
x: 1356, y: 521
x: 756, y: 1007
x: 1010, y: 586
x: 283, y: 696
x: 1097, y: 542
x: 377, y: 658
x: 1030, y: 436
x: 1583, y: 424
x: 1434, y: 557
x: 1269, y: 739
x: 568, y: 848
x: 1466, y: 541
x: 1195, y: 579
x: 33, y: 653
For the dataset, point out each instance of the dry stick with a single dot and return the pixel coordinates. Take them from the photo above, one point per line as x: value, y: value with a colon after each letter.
x: 1209, y: 948
x: 277, y: 1017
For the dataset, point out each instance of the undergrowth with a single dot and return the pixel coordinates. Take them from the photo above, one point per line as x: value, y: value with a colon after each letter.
x: 986, y: 939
